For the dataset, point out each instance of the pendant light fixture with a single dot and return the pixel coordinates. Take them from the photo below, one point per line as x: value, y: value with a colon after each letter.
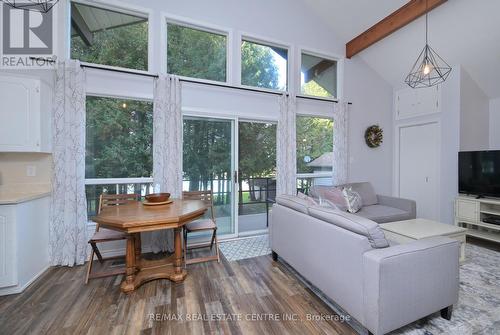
x: 42, y: 6
x: 429, y: 69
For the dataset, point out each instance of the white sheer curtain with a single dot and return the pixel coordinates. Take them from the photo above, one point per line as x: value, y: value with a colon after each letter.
x: 68, y: 212
x: 286, y: 154
x: 340, y: 143
x: 167, y: 148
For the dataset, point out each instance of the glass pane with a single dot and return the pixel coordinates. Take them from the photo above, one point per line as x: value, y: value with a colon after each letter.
x: 119, y: 138
x: 264, y: 66
x: 207, y: 165
x: 94, y: 191
x: 318, y: 76
x: 196, y: 53
x: 102, y: 36
x: 314, y: 150
x: 257, y: 182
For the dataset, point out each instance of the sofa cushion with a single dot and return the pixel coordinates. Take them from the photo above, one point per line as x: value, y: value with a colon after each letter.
x: 293, y: 202
x: 329, y: 194
x: 382, y: 214
x: 310, y: 200
x: 354, y: 223
x: 365, y: 190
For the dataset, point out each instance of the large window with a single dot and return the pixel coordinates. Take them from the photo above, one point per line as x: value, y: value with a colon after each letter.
x: 264, y: 66
x: 196, y: 53
x: 119, y: 147
x: 318, y: 76
x: 314, y: 151
x: 108, y: 37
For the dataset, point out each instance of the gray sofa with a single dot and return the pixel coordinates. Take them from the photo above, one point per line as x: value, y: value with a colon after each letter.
x: 382, y: 285
x: 378, y: 208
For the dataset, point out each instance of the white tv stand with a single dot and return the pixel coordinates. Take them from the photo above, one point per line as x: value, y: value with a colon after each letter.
x: 470, y: 212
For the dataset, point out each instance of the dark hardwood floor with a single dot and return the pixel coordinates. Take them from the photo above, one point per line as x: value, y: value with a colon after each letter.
x: 60, y: 303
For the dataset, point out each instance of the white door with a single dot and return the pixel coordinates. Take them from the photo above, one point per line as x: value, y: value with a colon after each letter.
x: 419, y: 147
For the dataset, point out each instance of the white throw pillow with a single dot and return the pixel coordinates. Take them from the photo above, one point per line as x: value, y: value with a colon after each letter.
x: 307, y: 198
x: 353, y: 200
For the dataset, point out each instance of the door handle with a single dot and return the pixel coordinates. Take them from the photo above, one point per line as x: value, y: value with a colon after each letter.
x: 236, y: 176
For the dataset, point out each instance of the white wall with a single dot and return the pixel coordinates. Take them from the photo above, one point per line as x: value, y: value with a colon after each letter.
x: 495, y: 124
x: 474, y: 115
x: 372, y: 104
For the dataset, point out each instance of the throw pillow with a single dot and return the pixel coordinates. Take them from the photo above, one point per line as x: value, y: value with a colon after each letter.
x: 307, y: 198
x: 331, y: 195
x: 353, y: 200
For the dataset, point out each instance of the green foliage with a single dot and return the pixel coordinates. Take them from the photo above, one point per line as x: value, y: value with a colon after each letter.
x: 125, y: 46
x: 119, y: 138
x: 314, y: 89
x: 257, y: 149
x: 195, y: 53
x: 207, y: 152
x: 258, y: 67
x: 314, y: 138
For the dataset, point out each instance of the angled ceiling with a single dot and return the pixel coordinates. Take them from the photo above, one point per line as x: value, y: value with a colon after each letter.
x: 463, y: 32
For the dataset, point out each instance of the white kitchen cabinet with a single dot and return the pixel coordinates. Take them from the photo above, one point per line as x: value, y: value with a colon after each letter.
x: 25, y: 109
x: 411, y: 102
x: 24, y: 240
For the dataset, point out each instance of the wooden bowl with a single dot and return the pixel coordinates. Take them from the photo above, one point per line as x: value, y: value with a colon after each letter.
x: 157, y: 197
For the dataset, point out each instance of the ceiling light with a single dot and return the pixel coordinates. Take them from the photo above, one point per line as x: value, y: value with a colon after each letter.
x: 42, y: 6
x: 429, y: 69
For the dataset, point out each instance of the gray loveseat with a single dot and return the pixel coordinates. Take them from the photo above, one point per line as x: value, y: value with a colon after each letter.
x: 382, y: 285
x: 378, y: 208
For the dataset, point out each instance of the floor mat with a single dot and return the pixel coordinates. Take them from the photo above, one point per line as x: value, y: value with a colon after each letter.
x: 245, y: 248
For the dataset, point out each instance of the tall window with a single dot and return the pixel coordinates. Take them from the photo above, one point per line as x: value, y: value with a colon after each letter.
x: 196, y: 53
x: 108, y: 37
x: 318, y: 76
x: 314, y: 151
x: 264, y: 66
x: 119, y: 146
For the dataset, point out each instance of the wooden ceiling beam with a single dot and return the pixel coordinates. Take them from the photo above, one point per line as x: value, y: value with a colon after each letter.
x: 397, y: 20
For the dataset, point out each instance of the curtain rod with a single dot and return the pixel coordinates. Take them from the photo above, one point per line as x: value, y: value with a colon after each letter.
x: 193, y: 81
x: 205, y: 83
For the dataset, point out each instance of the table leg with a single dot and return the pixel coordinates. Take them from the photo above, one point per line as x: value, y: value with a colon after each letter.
x: 179, y: 272
x: 128, y: 285
x: 138, y: 250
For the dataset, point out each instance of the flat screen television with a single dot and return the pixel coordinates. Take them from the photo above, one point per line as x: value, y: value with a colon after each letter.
x: 479, y: 173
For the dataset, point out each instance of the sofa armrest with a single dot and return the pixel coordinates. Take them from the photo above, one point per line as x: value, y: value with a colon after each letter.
x: 406, y: 205
x: 406, y: 282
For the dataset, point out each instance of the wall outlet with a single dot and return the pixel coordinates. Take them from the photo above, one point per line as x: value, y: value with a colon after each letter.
x: 31, y: 170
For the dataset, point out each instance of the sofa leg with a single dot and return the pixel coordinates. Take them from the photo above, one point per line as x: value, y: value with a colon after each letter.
x: 446, y: 312
x: 275, y: 256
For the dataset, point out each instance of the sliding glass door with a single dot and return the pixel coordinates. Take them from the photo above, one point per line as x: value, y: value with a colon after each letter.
x: 257, y: 175
x: 208, y: 164
x: 237, y: 161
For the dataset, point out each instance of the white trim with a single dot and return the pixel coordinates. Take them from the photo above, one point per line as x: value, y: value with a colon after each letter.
x: 269, y: 42
x: 325, y: 55
x: 315, y: 175
x: 114, y: 96
x: 121, y: 181
x: 198, y: 25
x: 120, y: 7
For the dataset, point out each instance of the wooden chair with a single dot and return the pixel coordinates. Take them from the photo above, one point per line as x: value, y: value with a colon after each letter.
x: 202, y: 225
x: 102, y: 235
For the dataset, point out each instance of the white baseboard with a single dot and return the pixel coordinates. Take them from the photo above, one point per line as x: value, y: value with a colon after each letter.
x: 18, y: 289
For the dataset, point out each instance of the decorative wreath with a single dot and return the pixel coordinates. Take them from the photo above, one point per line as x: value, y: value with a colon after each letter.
x: 374, y: 136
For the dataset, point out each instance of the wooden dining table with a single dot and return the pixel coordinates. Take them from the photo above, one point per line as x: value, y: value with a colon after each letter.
x: 134, y: 218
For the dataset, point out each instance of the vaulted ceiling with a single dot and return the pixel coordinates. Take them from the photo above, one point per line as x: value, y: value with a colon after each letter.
x: 464, y: 32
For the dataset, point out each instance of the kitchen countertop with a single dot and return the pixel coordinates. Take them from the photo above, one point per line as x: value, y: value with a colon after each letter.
x: 15, y: 194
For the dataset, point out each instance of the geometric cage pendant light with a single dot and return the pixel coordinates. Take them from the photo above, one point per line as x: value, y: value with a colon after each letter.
x: 429, y: 68
x: 42, y: 6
